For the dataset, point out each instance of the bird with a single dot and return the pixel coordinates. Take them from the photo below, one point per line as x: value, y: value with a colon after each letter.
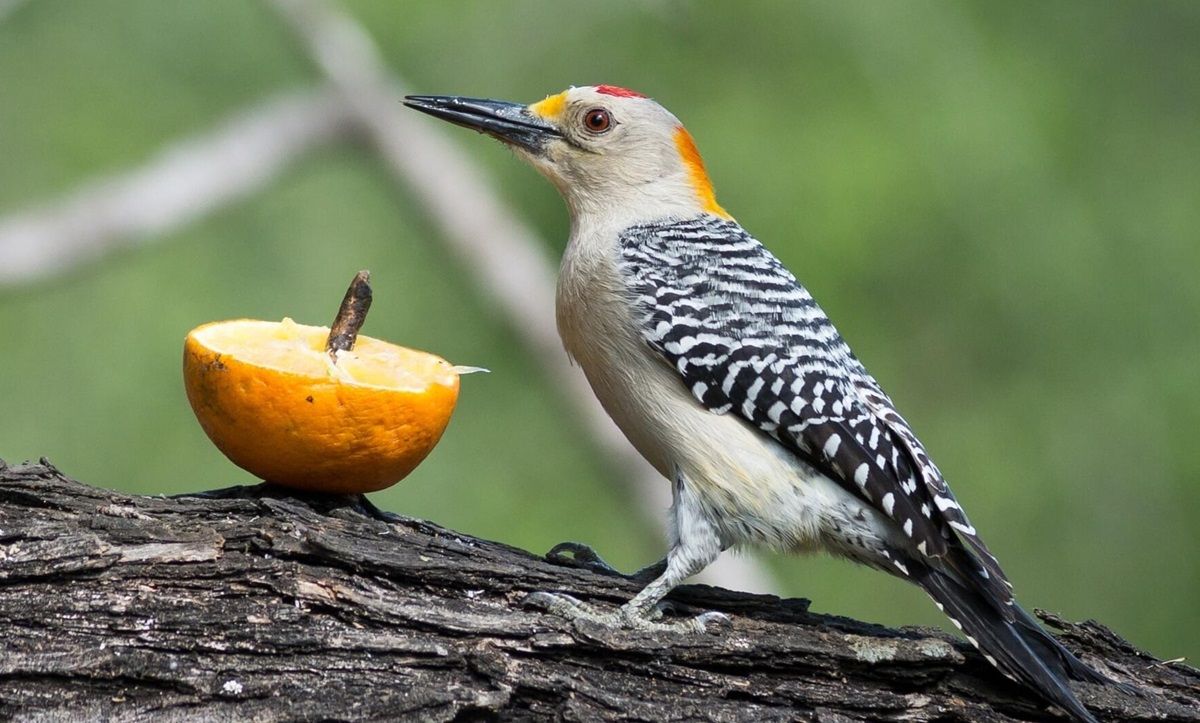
x: 727, y: 377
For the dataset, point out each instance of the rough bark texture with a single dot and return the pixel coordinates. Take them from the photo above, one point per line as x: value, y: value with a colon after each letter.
x: 259, y: 604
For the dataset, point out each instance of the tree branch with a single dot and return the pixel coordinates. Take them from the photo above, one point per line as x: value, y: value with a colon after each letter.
x: 257, y: 603
x: 185, y: 181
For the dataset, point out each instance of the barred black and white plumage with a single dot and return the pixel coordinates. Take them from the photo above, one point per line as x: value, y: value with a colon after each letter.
x: 747, y: 338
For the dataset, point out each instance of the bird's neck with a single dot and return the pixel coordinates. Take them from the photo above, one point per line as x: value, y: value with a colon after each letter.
x: 683, y: 191
x: 622, y: 207
x: 697, y: 174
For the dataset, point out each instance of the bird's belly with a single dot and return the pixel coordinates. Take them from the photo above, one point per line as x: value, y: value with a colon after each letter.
x: 754, y: 490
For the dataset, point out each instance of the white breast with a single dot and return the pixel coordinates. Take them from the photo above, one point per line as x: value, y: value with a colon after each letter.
x: 756, y: 491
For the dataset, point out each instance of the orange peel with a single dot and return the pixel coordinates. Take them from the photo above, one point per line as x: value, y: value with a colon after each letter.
x: 276, y: 404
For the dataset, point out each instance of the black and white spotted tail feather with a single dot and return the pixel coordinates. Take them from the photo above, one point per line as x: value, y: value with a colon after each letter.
x: 1019, y: 648
x: 747, y: 339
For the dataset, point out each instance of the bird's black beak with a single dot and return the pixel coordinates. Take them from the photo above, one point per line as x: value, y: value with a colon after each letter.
x: 510, y: 122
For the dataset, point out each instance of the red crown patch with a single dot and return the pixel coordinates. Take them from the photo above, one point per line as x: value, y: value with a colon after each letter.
x: 618, y: 91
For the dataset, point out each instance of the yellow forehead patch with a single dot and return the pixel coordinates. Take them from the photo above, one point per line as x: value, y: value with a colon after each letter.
x: 550, y: 107
x: 697, y: 174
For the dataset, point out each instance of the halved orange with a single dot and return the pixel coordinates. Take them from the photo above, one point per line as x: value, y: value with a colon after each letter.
x: 274, y: 402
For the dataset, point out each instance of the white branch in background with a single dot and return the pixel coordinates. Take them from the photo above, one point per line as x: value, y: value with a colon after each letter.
x: 8, y: 7
x: 505, y: 256
x: 184, y: 182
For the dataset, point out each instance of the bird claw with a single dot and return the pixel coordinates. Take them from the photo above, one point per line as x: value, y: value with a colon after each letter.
x: 581, y: 556
x: 361, y: 504
x: 560, y: 604
x: 626, y: 617
x: 577, y: 554
x: 707, y: 621
x: 712, y: 620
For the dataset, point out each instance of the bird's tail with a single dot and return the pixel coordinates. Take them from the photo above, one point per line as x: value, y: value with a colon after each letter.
x: 1019, y: 648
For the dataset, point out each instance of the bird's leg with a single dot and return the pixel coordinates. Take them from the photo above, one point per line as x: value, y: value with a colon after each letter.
x: 694, y: 546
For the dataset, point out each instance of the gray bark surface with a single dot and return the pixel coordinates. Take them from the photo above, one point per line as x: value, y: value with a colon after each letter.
x: 256, y: 603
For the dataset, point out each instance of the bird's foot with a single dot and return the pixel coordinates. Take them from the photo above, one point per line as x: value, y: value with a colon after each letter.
x: 626, y: 617
x: 577, y: 554
x: 361, y: 504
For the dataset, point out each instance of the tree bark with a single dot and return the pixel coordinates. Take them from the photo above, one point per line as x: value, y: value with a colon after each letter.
x: 256, y: 603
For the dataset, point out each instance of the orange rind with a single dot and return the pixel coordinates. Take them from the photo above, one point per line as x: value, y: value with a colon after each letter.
x: 278, y: 405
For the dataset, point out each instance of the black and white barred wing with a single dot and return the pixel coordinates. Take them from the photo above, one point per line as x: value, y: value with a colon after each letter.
x: 747, y: 339
x: 943, y: 499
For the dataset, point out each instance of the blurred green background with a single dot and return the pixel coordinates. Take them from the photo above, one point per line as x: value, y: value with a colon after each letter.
x: 998, y: 203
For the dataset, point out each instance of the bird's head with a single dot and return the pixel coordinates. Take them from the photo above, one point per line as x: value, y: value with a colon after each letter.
x: 609, y: 150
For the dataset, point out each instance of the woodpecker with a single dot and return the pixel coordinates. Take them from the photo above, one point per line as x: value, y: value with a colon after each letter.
x: 726, y: 375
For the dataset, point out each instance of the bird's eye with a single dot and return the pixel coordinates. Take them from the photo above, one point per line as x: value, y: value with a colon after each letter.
x: 597, y: 120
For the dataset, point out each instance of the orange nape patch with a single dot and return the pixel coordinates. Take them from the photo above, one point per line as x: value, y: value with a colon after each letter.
x: 697, y: 174
x: 550, y: 107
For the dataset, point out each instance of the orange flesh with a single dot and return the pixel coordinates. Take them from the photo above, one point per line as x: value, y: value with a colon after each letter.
x: 297, y: 349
